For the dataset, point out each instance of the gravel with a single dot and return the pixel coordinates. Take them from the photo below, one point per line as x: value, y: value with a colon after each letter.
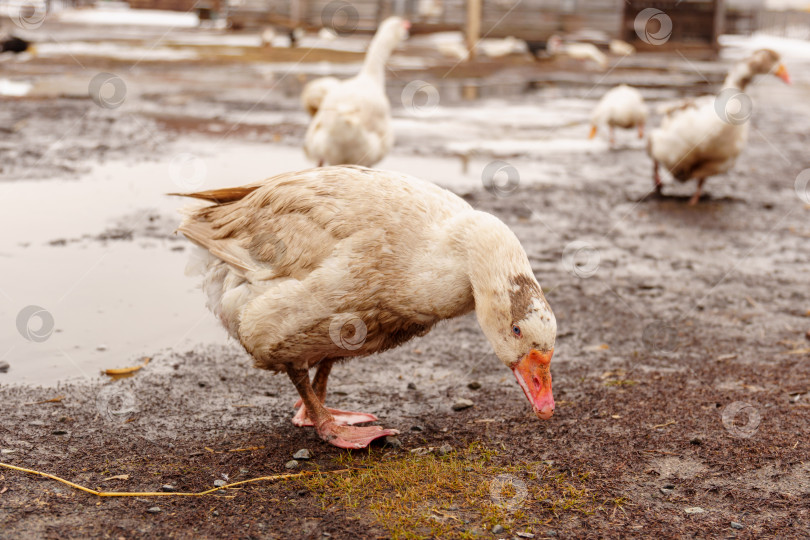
x: 462, y: 403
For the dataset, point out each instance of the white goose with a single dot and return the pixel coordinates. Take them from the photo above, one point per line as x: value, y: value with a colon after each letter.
x: 580, y: 51
x: 353, y: 123
x: 312, y: 267
x: 702, y: 137
x: 623, y: 107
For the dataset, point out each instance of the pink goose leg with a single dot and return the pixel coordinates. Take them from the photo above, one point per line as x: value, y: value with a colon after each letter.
x: 342, y: 436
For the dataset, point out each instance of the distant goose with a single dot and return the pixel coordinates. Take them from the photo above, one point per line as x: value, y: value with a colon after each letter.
x: 14, y: 44
x: 580, y: 51
x: 352, y: 124
x: 622, y: 107
x: 700, y: 137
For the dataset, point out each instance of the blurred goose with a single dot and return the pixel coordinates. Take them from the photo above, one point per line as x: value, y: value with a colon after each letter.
x: 314, y: 91
x: 702, y: 137
x: 623, y: 107
x: 309, y: 268
x: 353, y: 123
x: 621, y: 48
x: 13, y: 44
x: 579, y: 51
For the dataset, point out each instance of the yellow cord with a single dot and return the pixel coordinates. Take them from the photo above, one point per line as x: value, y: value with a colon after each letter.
x: 168, y: 494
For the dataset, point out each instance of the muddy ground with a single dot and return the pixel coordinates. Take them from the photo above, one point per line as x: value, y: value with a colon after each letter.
x: 681, y: 369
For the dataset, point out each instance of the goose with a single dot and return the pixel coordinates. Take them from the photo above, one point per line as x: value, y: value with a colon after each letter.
x: 314, y: 91
x: 579, y: 51
x: 621, y: 106
x: 701, y: 137
x: 621, y: 48
x: 353, y: 123
x: 309, y: 268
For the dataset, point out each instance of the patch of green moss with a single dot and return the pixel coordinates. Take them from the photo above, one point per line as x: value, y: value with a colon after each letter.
x: 460, y: 495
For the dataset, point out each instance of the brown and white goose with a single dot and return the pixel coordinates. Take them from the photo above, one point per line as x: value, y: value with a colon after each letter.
x: 312, y: 267
x: 702, y: 137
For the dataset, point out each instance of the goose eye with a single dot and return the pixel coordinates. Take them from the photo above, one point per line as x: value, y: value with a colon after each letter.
x: 516, y: 330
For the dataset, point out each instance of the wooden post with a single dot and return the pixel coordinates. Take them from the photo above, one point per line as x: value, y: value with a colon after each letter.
x: 473, y: 25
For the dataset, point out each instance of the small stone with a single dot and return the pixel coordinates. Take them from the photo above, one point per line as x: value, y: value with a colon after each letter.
x: 551, y: 533
x: 101, y: 348
x: 219, y: 483
x: 243, y: 471
x: 421, y: 451
x: 475, y: 385
x: 392, y: 441
x: 525, y: 534
x: 694, y: 510
x: 292, y: 464
x: 168, y: 488
x: 154, y: 510
x: 36, y: 423
x: 696, y: 441
x: 666, y: 491
x: 461, y: 404
x: 497, y: 529
x: 215, y: 513
x: 735, y: 525
x: 417, y: 428
x: 444, y: 449
x: 4, y: 367
x: 7, y: 451
x: 59, y: 432
x: 411, y: 386
x: 303, y: 454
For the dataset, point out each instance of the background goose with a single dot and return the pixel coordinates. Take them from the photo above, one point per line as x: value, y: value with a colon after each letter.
x: 312, y: 267
x: 353, y: 123
x: 702, y: 137
x: 623, y: 107
x: 581, y: 51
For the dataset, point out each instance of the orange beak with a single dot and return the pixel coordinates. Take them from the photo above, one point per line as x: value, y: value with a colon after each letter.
x: 782, y: 73
x: 533, y: 374
x: 593, y: 132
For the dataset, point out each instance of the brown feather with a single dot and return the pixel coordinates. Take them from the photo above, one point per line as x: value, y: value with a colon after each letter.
x: 222, y: 196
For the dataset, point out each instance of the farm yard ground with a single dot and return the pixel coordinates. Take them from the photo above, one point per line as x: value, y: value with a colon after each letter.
x: 681, y: 369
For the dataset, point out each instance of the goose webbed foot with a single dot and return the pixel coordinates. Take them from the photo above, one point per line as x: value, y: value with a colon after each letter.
x: 350, y: 436
x: 342, y: 418
x: 326, y: 424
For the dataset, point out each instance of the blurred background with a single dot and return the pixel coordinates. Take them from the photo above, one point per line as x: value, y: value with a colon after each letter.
x: 107, y: 106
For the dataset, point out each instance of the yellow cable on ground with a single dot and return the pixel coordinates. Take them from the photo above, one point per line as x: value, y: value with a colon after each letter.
x: 168, y: 493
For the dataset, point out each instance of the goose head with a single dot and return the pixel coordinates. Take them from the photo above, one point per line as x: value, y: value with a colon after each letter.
x: 391, y: 32
x: 523, y: 339
x: 761, y: 62
x: 511, y: 309
x: 766, y: 61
